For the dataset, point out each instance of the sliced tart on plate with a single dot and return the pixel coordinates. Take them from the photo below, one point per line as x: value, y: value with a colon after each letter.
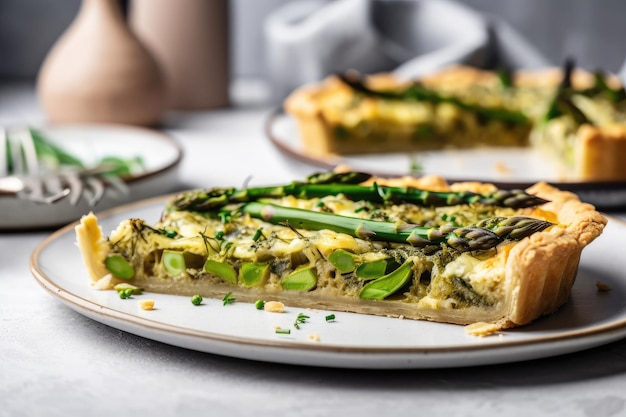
x: 417, y: 248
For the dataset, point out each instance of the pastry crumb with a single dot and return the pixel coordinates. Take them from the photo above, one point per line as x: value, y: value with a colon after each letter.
x: 481, y: 329
x: 274, y: 307
x: 146, y: 304
x: 275, y: 326
x: 602, y: 286
x: 314, y: 337
x: 107, y: 282
x: 502, y: 169
x: 401, y: 317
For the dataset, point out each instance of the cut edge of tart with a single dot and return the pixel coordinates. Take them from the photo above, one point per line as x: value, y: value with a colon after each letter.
x: 510, y: 285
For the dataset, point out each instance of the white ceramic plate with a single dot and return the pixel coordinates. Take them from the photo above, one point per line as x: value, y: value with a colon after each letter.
x: 505, y: 167
x: 589, y: 319
x: 161, y: 156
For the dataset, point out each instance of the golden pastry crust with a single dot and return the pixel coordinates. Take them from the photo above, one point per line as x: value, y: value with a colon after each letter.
x: 530, y: 278
x: 324, y: 110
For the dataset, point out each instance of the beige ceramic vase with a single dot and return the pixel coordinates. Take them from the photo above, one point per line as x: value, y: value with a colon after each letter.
x: 99, y: 72
x: 189, y: 39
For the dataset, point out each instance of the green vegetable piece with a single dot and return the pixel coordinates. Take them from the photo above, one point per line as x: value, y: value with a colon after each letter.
x: 302, y: 279
x: 372, y: 270
x: 173, y: 262
x: 342, y: 260
x: 196, y: 300
x: 119, y: 266
x: 330, y: 317
x: 125, y: 293
x: 253, y: 274
x: 383, y: 287
x: 125, y: 286
x: 259, y: 304
x: 221, y: 269
x: 283, y: 331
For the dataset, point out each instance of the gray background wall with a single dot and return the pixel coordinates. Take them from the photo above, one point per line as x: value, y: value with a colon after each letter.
x: 592, y: 30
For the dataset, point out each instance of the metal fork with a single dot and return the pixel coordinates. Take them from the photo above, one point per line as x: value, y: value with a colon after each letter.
x: 29, y: 179
x: 20, y: 169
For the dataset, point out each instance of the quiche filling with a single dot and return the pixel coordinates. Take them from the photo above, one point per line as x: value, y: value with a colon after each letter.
x: 404, y: 251
x: 561, y: 113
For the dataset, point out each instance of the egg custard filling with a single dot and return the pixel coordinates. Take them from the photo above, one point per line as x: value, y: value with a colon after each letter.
x: 417, y: 248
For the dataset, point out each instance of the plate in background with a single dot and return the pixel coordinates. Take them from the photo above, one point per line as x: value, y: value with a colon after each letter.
x: 504, y: 167
x: 161, y: 156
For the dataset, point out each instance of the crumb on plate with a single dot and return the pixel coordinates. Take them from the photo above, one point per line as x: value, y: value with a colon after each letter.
x: 146, y: 304
x: 314, y: 337
x: 274, y: 307
x: 481, y: 329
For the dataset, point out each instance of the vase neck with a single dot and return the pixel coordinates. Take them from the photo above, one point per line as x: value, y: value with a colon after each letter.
x: 110, y: 10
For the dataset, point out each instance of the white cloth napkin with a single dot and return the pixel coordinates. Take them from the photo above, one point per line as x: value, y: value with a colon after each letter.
x: 308, y: 40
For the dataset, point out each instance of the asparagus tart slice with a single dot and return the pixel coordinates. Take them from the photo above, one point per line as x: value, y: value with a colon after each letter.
x: 418, y: 248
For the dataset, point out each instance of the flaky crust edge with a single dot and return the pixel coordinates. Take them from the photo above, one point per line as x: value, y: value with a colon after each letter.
x: 540, y: 270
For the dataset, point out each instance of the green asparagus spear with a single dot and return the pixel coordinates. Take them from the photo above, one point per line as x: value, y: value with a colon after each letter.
x: 212, y: 199
x: 417, y: 92
x: 562, y: 103
x: 485, y: 236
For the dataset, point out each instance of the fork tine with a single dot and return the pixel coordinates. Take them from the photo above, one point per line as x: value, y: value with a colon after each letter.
x: 75, y: 185
x: 15, y: 152
x: 31, y: 163
x: 4, y: 157
x: 96, y: 190
x: 118, y: 185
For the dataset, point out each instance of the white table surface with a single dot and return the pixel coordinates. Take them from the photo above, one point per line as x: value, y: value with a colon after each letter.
x: 56, y: 362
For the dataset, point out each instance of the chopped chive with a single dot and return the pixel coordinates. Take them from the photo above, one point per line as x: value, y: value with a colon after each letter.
x: 258, y: 234
x: 219, y: 235
x: 330, y: 317
x: 283, y: 331
x: 196, y: 300
x: 259, y: 304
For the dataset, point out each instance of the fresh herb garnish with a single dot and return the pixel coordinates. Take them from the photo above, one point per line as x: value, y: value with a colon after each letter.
x: 228, y: 298
x: 300, y: 319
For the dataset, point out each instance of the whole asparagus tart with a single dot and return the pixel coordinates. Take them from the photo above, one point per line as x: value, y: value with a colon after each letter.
x: 418, y: 248
x: 577, y: 117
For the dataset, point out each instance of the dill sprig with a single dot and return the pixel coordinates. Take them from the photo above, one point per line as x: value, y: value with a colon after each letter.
x: 300, y: 319
x: 228, y: 298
